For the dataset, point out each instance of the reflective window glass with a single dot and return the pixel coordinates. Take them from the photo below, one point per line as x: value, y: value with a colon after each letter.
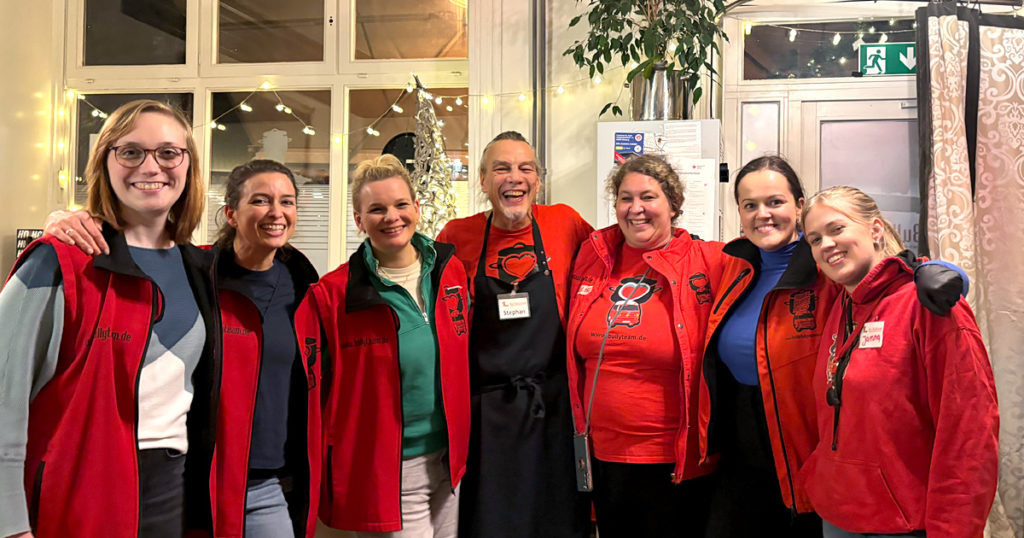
x: 816, y: 50
x: 292, y: 127
x: 879, y: 157
x: 410, y: 29
x: 93, y: 110
x: 760, y: 130
x: 255, y: 31
x: 119, y: 32
x: 394, y: 132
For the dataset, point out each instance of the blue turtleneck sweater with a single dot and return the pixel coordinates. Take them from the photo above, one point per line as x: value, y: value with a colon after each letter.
x: 737, y: 337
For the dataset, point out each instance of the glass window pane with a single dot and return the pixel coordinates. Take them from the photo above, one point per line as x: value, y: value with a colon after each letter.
x: 300, y: 139
x: 880, y: 158
x: 92, y: 109
x: 396, y: 132
x: 760, y: 130
x: 254, y: 31
x: 773, y: 51
x: 411, y: 29
x: 134, y: 33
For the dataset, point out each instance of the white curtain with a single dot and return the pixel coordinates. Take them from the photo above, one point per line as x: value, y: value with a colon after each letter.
x: 971, y: 90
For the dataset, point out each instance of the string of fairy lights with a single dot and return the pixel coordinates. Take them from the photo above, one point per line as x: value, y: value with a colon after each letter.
x: 873, y: 30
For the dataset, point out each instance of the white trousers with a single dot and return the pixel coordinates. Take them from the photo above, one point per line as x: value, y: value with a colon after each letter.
x: 429, y: 507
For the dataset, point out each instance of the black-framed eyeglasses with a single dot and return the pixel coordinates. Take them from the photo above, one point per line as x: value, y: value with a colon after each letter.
x: 132, y: 156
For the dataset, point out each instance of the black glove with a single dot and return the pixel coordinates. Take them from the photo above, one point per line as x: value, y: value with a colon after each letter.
x: 938, y: 287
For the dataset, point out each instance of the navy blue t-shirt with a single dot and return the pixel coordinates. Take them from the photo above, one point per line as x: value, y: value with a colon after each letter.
x: 273, y: 292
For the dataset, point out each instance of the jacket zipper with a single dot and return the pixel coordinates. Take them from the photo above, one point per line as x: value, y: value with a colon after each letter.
x: 736, y: 282
x: 401, y: 415
x: 138, y: 383
x: 775, y: 404
x: 33, y: 510
x: 252, y: 424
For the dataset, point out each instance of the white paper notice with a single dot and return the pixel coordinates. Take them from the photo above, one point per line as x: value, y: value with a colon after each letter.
x: 698, y: 178
x: 682, y: 139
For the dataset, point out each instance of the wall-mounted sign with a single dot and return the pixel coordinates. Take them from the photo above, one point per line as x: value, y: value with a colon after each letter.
x: 888, y: 59
x: 24, y: 237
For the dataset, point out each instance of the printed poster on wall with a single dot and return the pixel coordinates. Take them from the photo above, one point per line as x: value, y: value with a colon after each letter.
x: 628, y: 145
x: 698, y: 178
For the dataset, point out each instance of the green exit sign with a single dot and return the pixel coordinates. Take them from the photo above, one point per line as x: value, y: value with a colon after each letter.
x: 888, y: 59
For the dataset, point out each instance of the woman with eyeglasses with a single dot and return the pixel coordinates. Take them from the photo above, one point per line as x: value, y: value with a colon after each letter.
x: 108, y: 374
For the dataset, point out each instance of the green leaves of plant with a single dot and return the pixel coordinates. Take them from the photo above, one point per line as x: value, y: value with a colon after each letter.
x: 621, y: 31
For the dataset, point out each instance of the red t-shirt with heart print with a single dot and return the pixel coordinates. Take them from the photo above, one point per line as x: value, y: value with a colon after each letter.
x: 636, y: 409
x: 510, y: 254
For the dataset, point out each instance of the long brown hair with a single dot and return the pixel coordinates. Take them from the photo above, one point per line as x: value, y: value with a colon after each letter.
x: 102, y: 202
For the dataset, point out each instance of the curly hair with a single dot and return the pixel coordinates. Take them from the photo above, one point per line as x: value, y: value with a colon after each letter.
x: 656, y: 168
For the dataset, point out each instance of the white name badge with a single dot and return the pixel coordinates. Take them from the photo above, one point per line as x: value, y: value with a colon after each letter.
x: 514, y: 306
x: 871, y: 335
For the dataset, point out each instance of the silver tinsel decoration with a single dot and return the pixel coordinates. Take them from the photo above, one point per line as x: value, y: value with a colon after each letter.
x: 432, y: 174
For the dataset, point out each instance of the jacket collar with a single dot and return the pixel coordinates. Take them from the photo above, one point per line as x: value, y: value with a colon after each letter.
x: 301, y: 270
x: 608, y: 241
x: 801, y: 272
x: 889, y: 273
x: 120, y: 258
x: 360, y: 293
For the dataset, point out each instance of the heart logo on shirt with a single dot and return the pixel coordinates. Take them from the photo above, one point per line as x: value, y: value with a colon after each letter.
x: 519, y: 265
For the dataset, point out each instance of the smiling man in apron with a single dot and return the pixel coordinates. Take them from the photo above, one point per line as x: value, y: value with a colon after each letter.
x: 519, y: 478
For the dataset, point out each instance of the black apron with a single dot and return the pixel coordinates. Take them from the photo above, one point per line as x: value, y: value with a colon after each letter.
x: 519, y: 477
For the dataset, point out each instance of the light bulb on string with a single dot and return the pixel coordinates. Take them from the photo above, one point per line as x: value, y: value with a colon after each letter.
x: 883, y: 38
x: 213, y: 125
x: 522, y: 96
x: 597, y: 79
x: 397, y: 109
x: 485, y: 100
x: 842, y: 60
x: 438, y: 100
x: 458, y: 101
x: 266, y: 85
x: 245, y: 107
x: 427, y: 95
x: 409, y: 88
x: 560, y: 90
x: 95, y: 113
x: 836, y: 39
x: 222, y: 127
x: 440, y: 123
x: 871, y: 29
x: 279, y: 107
x: 308, y: 130
x: 287, y: 110
x: 747, y: 28
x: 792, y: 34
x: 892, y: 22
x: 448, y: 108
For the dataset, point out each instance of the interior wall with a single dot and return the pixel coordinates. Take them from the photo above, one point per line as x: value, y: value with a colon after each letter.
x: 27, y: 36
x: 573, y: 115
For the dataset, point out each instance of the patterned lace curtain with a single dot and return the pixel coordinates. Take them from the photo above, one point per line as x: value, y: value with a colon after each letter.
x: 970, y: 91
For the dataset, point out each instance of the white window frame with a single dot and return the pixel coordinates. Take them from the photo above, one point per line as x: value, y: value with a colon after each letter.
x: 202, y: 76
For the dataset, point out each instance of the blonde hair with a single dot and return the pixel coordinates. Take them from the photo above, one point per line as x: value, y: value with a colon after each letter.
x: 384, y: 167
x: 102, y: 201
x: 860, y: 208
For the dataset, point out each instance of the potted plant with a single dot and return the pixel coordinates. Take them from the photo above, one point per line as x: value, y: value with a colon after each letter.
x: 659, y: 37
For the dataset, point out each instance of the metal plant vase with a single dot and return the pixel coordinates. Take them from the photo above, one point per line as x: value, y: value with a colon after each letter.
x: 664, y: 96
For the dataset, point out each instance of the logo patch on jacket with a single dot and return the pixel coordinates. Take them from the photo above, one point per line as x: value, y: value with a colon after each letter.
x: 310, y: 351
x: 515, y: 262
x: 237, y: 330
x: 104, y: 333
x: 802, y: 304
x: 627, y: 298
x: 701, y: 287
x: 453, y: 301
